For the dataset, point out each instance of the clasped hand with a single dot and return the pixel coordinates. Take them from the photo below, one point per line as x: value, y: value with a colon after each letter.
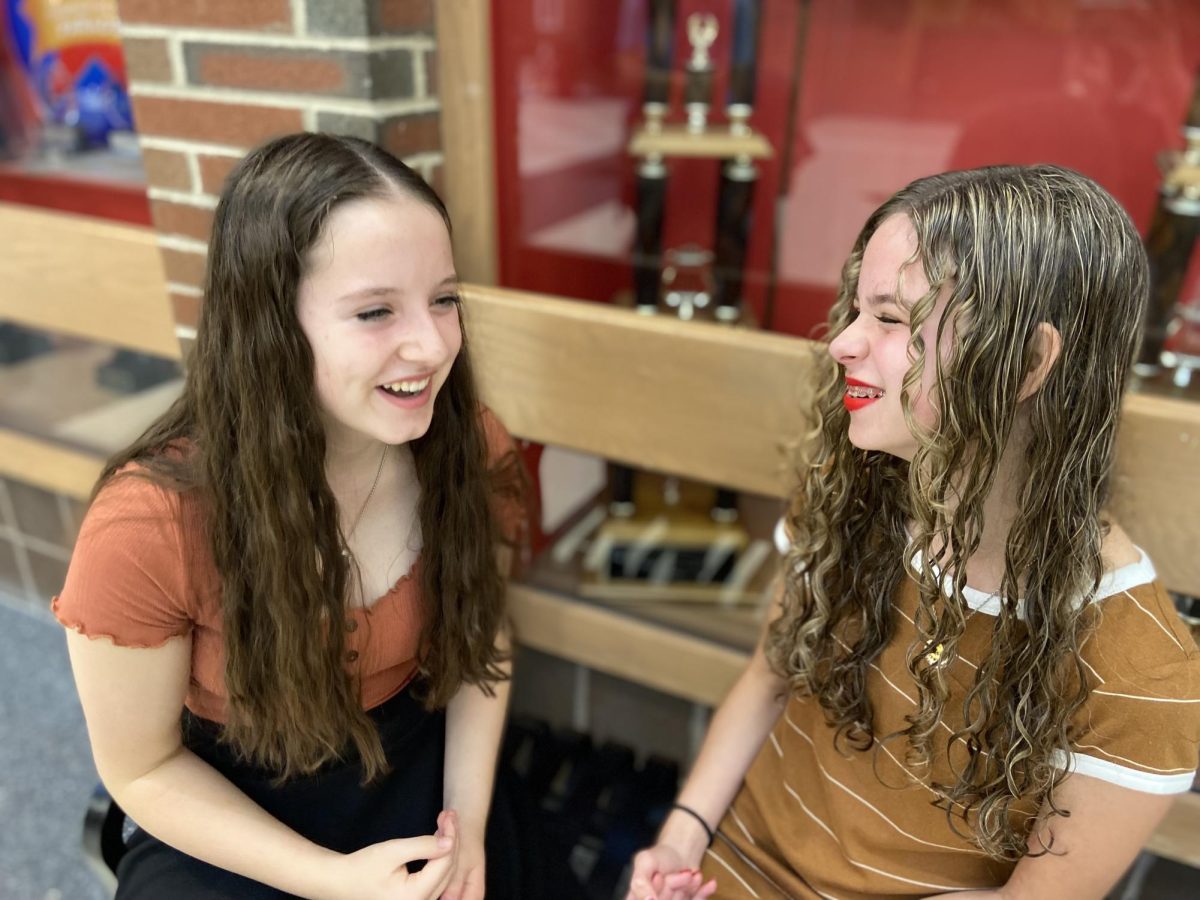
x: 453, y: 867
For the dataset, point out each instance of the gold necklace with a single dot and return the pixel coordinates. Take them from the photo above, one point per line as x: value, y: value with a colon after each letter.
x: 362, y: 509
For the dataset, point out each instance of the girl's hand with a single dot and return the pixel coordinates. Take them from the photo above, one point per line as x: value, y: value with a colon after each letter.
x: 661, y: 873
x: 380, y: 871
x: 467, y: 875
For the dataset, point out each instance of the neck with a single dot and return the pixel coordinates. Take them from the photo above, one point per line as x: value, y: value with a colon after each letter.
x: 985, y: 568
x: 350, y: 455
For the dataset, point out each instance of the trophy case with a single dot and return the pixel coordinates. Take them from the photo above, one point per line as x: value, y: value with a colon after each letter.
x: 713, y: 160
x: 1170, y: 350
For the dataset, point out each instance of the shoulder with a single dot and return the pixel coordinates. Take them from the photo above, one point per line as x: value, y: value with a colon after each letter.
x: 127, y: 579
x: 1140, y: 727
x: 132, y: 494
x: 1139, y: 640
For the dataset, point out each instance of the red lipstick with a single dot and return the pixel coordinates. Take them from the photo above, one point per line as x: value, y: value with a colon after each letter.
x: 854, y: 404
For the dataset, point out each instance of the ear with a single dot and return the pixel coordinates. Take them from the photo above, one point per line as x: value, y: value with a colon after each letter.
x: 1045, y: 346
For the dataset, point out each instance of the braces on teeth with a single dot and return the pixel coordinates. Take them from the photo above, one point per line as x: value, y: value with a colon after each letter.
x: 853, y: 390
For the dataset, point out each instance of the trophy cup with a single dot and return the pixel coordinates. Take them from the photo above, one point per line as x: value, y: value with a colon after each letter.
x: 702, y: 30
x: 1171, y: 240
x: 660, y: 39
x: 740, y: 97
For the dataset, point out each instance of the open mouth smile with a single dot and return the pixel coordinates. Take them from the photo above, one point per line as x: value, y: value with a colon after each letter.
x: 407, y: 393
x: 859, y: 394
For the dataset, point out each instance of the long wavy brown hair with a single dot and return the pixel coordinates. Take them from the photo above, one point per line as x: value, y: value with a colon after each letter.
x: 245, y: 439
x: 1012, y: 247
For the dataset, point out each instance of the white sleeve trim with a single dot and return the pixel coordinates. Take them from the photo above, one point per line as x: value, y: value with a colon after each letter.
x: 782, y: 542
x: 1123, y: 776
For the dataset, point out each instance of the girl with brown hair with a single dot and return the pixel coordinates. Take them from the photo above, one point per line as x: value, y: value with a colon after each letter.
x: 970, y: 675
x: 285, y: 609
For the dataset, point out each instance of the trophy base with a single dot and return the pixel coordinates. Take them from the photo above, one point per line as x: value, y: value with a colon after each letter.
x: 711, y: 313
x: 672, y: 549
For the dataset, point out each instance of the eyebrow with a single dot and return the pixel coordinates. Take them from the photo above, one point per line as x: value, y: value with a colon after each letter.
x: 384, y: 290
x: 884, y: 299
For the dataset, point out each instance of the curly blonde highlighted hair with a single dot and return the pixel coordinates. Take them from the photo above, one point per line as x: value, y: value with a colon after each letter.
x: 1010, y: 248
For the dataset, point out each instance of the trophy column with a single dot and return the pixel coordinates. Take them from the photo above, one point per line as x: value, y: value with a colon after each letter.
x: 736, y: 196
x: 664, y: 539
x: 1171, y: 240
x: 734, y: 199
x: 660, y: 41
x: 647, y: 253
x: 746, y: 19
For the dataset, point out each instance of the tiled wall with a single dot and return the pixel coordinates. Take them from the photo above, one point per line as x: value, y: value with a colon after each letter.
x: 37, y: 530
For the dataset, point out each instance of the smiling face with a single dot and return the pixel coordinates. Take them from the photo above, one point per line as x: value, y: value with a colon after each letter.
x: 873, y: 348
x: 379, y: 306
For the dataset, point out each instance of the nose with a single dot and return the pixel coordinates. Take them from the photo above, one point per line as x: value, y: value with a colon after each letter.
x: 850, y: 345
x: 421, y: 340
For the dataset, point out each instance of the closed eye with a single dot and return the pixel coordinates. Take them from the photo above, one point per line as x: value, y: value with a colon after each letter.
x: 373, y: 314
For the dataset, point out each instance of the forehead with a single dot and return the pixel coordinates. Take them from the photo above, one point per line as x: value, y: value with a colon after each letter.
x: 891, y: 264
x: 375, y: 231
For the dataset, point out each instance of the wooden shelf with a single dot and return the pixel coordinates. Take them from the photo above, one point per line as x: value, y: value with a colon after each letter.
x: 83, y: 190
x: 654, y: 656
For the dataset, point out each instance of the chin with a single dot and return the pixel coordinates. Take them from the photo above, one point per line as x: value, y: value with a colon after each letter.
x: 861, y: 442
x: 404, y: 434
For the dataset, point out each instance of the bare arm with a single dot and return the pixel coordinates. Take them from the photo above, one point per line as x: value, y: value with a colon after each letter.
x: 132, y: 700
x: 1091, y: 849
x: 474, y: 725
x: 736, y: 734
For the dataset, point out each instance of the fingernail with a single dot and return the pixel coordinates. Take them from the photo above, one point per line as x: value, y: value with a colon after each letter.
x: 445, y: 843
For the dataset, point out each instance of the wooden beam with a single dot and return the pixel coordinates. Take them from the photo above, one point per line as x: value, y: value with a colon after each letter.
x: 86, y: 277
x: 698, y: 400
x: 48, y: 465
x: 464, y: 60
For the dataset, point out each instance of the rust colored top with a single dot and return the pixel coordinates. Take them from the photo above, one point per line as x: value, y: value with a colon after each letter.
x: 140, y: 577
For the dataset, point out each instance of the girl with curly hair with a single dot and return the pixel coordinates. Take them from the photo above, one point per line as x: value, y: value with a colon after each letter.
x: 970, y: 675
x: 285, y: 609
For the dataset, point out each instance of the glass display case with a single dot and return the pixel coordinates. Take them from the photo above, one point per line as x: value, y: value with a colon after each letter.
x: 854, y: 99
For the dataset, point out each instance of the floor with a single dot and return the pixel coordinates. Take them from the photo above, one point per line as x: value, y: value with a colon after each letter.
x: 46, y: 772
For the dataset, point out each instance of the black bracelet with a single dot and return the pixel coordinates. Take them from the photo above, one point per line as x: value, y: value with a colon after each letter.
x: 712, y: 835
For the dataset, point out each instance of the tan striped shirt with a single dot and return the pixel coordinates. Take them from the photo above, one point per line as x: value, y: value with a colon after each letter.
x: 812, y: 822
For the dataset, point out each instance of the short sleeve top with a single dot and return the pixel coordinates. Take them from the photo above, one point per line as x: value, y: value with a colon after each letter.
x: 821, y: 820
x: 142, y: 573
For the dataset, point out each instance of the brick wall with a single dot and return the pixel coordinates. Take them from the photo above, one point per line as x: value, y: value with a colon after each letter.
x: 212, y: 79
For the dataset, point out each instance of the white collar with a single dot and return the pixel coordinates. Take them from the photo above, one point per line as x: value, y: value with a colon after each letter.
x: 1114, y: 582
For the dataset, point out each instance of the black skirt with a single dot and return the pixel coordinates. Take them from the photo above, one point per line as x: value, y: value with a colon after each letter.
x: 331, y: 808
